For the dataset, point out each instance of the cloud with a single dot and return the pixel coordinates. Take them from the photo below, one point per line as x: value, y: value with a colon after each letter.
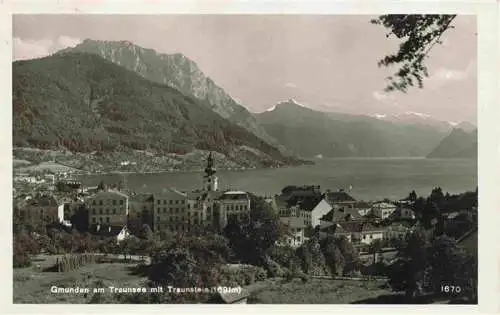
x: 379, y: 96
x: 445, y: 74
x: 290, y: 85
x: 32, y: 49
x: 450, y: 74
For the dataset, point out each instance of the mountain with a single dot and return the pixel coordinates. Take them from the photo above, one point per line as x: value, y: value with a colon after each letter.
x: 466, y: 126
x: 311, y: 133
x: 458, y: 144
x: 419, y: 119
x: 174, y: 70
x: 84, y: 103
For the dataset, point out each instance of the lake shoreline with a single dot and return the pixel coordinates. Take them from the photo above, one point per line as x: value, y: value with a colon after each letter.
x: 369, y: 179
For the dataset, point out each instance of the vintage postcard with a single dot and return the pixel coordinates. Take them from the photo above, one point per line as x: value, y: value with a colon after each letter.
x: 243, y: 157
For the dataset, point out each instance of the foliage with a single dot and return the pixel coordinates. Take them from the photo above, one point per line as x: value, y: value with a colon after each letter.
x: 80, y: 219
x: 73, y: 262
x: 252, y: 241
x: 419, y: 34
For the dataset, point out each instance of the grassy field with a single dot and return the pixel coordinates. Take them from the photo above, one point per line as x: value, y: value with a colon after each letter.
x: 317, y: 291
x: 32, y: 285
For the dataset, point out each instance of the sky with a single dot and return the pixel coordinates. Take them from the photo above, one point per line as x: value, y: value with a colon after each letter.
x: 327, y: 62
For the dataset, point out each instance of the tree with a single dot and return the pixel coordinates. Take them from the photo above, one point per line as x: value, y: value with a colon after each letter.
x: 333, y: 256
x: 407, y: 274
x: 412, y: 196
x: 80, y: 219
x: 452, y: 265
x: 374, y: 248
x: 419, y: 34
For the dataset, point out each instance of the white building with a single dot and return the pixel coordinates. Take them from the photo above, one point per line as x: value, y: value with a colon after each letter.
x: 383, y: 209
x: 296, y: 232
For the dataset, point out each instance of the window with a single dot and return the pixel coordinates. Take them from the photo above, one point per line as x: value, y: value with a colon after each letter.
x: 94, y: 220
x: 100, y: 211
x: 171, y: 219
x: 164, y: 210
x: 177, y: 202
x: 93, y: 202
x: 170, y: 202
x: 176, y: 210
x: 121, y: 202
x: 107, y: 219
x: 93, y: 211
x: 159, y: 202
x: 114, y: 211
x: 182, y: 202
x: 107, y: 211
x: 100, y: 220
x: 114, y: 202
x: 100, y: 202
x: 157, y: 219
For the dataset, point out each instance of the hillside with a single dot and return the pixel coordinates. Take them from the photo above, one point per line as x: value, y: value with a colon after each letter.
x: 309, y: 133
x: 177, y: 71
x: 83, y: 103
x: 458, y: 144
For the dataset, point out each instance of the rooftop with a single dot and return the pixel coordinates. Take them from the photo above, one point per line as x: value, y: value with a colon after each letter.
x: 339, y: 215
x: 338, y: 196
x: 293, y: 222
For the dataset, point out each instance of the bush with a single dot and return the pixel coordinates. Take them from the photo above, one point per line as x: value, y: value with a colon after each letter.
x: 73, y: 262
x: 261, y: 274
x: 21, y: 260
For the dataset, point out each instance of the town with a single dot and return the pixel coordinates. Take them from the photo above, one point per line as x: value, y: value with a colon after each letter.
x: 263, y: 232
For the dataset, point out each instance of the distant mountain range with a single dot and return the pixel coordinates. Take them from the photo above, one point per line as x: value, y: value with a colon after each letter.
x: 174, y: 70
x: 84, y: 103
x: 458, y: 144
x: 114, y: 96
x: 310, y: 133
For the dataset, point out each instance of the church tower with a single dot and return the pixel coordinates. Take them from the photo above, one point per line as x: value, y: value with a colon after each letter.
x: 210, y: 181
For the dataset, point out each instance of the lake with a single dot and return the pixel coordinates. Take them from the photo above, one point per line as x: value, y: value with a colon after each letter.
x: 370, y: 179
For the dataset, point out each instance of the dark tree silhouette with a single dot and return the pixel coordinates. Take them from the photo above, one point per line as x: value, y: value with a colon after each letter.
x: 419, y: 34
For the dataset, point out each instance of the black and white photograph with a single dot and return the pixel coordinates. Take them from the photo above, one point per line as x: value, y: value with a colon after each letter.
x: 245, y: 158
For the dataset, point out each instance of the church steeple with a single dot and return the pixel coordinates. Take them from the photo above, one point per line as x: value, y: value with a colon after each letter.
x: 209, y: 179
x: 209, y: 170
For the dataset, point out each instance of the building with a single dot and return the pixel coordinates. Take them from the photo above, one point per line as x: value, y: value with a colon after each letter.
x: 108, y: 207
x: 363, y: 208
x: 233, y: 204
x: 340, y: 199
x: 296, y: 231
x: 383, y: 210
x: 141, y: 208
x: 41, y: 210
x: 358, y: 233
x: 396, y: 231
x: 117, y: 232
x: 170, y: 211
x: 339, y: 215
x: 311, y: 211
x: 406, y: 213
